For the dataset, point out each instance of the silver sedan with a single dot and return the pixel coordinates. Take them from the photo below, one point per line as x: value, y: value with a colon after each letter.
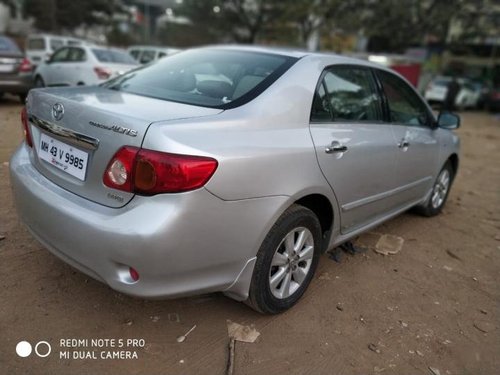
x: 227, y: 169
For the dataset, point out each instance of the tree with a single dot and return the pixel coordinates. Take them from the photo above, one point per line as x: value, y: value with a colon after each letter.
x: 55, y: 15
x: 397, y: 24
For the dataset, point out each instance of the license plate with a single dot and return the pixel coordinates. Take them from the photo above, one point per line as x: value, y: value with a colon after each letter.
x: 5, y: 68
x: 63, y: 156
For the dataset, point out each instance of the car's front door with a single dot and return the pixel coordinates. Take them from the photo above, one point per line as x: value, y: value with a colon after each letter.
x: 413, y: 128
x: 55, y: 69
x: 356, y: 150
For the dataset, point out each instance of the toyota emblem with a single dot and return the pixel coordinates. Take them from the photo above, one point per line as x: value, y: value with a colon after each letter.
x: 58, y: 111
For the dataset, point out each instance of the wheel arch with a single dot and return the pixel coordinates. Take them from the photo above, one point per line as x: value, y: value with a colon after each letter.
x: 453, y: 159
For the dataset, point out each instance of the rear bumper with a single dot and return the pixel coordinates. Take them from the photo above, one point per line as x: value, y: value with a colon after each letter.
x: 180, y: 244
x: 16, y: 83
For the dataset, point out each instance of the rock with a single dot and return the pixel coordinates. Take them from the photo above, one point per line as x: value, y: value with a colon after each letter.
x: 389, y: 244
x: 2, y: 237
x: 434, y: 370
x: 497, y: 237
x: 128, y: 322
x: 420, y: 353
x: 339, y: 307
x: 242, y: 333
x: 373, y: 348
x: 378, y: 369
x: 483, y: 311
x: 447, y: 268
x: 324, y: 276
x: 155, y: 318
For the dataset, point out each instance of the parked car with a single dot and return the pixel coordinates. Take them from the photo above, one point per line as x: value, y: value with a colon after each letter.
x: 85, y: 65
x: 492, y: 102
x: 163, y: 185
x: 15, y: 69
x: 146, y: 54
x: 39, y: 47
x: 468, y: 96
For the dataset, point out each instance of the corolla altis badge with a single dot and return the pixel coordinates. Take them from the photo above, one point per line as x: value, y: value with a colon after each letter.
x: 115, y: 128
x: 58, y: 111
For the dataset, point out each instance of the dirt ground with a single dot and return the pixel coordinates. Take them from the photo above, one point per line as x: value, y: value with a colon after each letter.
x: 435, y: 304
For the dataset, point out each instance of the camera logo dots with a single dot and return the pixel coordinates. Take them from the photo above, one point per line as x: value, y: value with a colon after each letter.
x: 42, y: 349
x: 23, y: 349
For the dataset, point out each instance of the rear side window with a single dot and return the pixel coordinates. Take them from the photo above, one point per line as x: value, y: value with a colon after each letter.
x: 112, y: 56
x: 206, y: 77
x: 7, y: 45
x: 347, y: 94
x: 405, y: 107
x: 36, y: 44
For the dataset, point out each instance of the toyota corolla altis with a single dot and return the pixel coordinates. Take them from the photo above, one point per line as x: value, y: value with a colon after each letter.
x: 226, y: 169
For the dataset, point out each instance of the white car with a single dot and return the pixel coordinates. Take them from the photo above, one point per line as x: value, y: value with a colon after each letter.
x: 39, y: 47
x: 146, y: 54
x: 84, y: 65
x: 467, y: 97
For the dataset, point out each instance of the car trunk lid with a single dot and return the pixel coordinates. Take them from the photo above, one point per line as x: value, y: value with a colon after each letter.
x: 76, y: 132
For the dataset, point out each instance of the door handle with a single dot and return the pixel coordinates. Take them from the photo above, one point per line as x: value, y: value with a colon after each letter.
x: 335, y: 147
x: 403, y: 144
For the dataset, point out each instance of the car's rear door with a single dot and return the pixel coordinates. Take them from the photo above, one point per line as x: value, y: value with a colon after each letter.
x: 356, y: 150
x: 412, y: 124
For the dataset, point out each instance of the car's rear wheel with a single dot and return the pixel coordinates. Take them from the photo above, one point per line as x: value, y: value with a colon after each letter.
x: 286, y: 261
x: 39, y: 82
x: 440, y: 192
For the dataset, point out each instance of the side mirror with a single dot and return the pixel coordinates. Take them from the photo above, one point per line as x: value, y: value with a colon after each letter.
x: 448, y: 120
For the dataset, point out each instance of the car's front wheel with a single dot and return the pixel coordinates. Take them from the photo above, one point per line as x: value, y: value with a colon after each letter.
x: 286, y: 261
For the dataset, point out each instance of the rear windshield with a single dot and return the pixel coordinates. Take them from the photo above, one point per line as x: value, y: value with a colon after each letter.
x: 7, y: 45
x: 36, y: 44
x: 113, y: 56
x: 206, y: 77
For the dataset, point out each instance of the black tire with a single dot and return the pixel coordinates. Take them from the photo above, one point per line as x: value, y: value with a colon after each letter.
x: 39, y: 82
x: 22, y: 98
x: 429, y: 208
x: 261, y: 297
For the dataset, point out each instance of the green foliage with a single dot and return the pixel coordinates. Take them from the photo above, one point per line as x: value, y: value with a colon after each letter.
x: 54, y: 15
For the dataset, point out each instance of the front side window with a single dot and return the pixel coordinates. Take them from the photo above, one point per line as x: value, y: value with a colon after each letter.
x: 347, y: 94
x: 134, y: 53
x: 60, y: 55
x: 206, y: 77
x: 405, y: 107
x: 147, y: 56
x: 76, y: 55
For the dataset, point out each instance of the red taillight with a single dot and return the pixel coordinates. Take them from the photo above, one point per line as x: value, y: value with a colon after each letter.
x: 25, y: 66
x: 26, y: 129
x: 102, y: 73
x: 148, y: 172
x: 118, y: 174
